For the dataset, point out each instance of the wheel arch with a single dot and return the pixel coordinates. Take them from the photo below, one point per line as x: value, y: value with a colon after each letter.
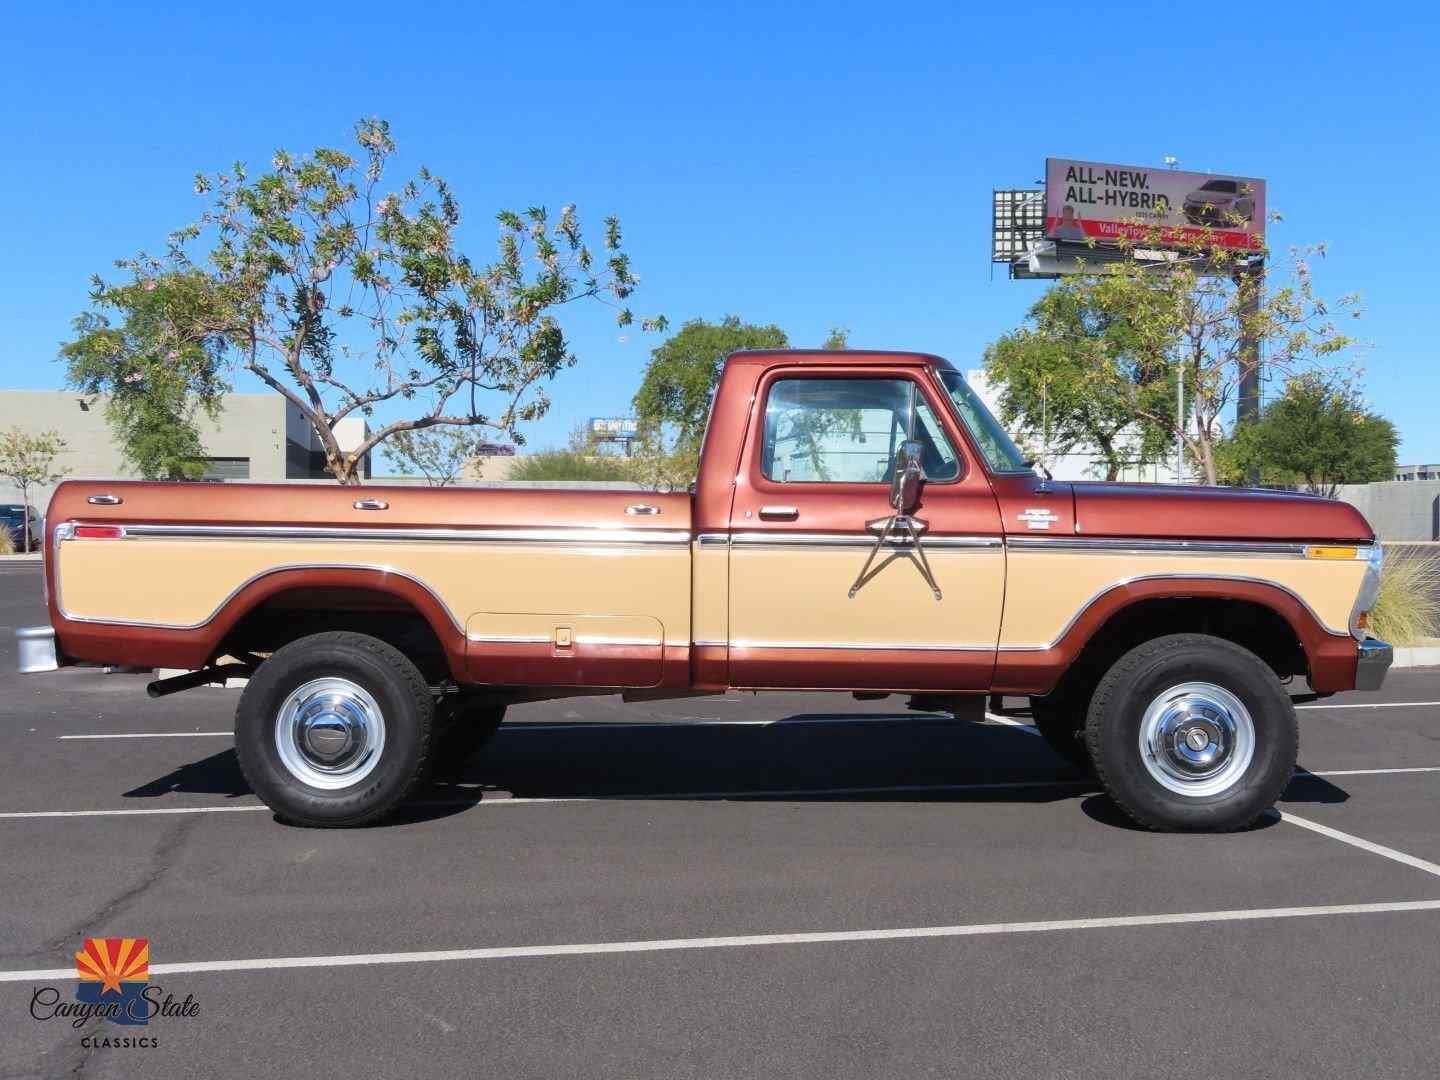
x: 1264, y: 616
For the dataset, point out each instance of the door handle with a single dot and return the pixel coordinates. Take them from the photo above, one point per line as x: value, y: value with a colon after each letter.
x: 641, y: 509
x: 371, y: 504
x: 778, y: 513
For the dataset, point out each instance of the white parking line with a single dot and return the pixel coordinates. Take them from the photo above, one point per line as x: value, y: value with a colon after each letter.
x: 1364, y: 845
x: 1373, y: 705
x: 148, y: 735
x: 599, y: 725
x: 21, y: 814
x: 1370, y: 772
x: 996, y: 718
x: 829, y: 937
x: 681, y: 796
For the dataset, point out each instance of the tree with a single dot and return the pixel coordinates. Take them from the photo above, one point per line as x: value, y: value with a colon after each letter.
x: 1071, y: 378
x: 838, y: 338
x: 346, y: 297
x: 28, y: 461
x: 680, y: 379
x: 1193, y: 317
x: 159, y: 368
x: 1318, y: 433
x: 438, y: 454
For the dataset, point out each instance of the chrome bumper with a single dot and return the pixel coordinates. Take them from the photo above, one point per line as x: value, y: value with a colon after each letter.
x: 37, y: 649
x: 1373, y: 663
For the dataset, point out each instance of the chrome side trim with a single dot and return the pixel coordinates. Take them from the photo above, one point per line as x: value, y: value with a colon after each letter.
x: 1169, y: 577
x: 860, y: 646
x: 1139, y: 546
x: 578, y: 536
x: 542, y: 639
x: 710, y: 644
x: 863, y: 540
x: 713, y: 540
x: 376, y: 568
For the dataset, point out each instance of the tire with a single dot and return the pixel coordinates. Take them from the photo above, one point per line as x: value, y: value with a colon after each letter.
x: 1062, y: 725
x: 465, y: 723
x: 335, y: 729
x: 1163, y: 694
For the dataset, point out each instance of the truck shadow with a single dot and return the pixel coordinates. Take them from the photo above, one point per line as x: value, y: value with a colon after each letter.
x: 881, y: 757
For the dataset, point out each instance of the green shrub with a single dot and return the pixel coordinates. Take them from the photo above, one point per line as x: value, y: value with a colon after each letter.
x: 569, y: 465
x: 7, y: 541
x: 1408, y: 609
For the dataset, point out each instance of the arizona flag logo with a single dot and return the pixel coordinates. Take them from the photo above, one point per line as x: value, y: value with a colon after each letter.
x: 115, y: 970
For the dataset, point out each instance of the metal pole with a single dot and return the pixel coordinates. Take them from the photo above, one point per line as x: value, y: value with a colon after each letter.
x: 1248, y: 281
x: 1180, y: 426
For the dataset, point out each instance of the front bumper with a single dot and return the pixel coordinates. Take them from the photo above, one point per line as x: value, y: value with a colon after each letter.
x: 1374, y: 661
x: 37, y: 649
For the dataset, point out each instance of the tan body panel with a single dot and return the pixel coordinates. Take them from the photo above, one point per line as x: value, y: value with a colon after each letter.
x: 797, y: 597
x: 1048, y: 589
x: 187, y: 581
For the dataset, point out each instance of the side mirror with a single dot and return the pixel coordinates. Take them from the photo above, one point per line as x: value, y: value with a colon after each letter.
x: 905, y: 483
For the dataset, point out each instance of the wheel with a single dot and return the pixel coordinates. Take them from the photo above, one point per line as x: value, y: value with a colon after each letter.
x: 465, y: 722
x: 1191, y: 732
x: 1062, y: 725
x: 334, y: 729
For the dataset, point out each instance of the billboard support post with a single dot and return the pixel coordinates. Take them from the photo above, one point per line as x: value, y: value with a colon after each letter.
x: 1249, y: 281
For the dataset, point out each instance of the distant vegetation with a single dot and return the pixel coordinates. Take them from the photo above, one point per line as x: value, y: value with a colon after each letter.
x: 570, y: 464
x: 1408, y: 609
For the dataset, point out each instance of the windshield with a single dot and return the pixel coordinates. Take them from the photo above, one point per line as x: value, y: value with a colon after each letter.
x: 13, y: 513
x: 1002, y: 454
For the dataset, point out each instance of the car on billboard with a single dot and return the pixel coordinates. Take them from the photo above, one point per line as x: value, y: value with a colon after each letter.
x: 1221, y: 201
x: 491, y: 449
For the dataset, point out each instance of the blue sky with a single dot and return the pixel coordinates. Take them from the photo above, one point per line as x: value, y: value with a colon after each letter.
x: 808, y: 165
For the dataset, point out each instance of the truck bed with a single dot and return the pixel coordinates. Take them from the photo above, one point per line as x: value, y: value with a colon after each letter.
x: 508, y: 580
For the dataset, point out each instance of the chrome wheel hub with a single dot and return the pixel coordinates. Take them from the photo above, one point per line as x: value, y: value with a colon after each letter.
x: 330, y: 733
x: 1197, y: 739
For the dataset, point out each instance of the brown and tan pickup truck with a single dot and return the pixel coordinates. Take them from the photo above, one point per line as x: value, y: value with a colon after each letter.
x: 859, y: 523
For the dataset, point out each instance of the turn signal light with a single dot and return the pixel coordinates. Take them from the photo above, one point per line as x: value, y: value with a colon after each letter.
x: 1331, y: 552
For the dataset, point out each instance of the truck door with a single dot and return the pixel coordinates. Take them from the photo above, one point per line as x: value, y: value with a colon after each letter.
x: 811, y: 498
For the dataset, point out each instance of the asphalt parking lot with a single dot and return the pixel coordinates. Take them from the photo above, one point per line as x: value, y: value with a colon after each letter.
x: 793, y: 885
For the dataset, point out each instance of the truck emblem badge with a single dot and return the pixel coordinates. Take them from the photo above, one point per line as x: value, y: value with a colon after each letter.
x: 1037, y: 518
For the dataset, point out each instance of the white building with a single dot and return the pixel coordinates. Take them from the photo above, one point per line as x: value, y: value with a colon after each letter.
x: 1081, y: 462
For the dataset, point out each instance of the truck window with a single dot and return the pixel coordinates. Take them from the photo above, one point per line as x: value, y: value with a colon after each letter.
x: 846, y: 431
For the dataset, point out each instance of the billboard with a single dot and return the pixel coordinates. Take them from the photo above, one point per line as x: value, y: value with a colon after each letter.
x: 614, y: 427
x: 1088, y: 199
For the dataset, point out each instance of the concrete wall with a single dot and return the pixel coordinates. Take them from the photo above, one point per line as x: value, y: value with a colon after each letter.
x: 1398, y: 510
x: 255, y: 427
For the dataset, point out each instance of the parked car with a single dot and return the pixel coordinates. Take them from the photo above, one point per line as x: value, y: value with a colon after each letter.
x: 860, y: 522
x: 12, y: 518
x: 1222, y: 203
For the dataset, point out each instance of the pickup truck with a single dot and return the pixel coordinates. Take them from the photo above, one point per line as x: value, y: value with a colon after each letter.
x: 859, y: 523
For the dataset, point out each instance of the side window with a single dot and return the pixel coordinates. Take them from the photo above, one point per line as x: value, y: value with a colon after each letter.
x: 846, y: 431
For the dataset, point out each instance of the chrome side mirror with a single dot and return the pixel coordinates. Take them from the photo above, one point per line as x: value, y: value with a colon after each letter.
x: 905, y: 483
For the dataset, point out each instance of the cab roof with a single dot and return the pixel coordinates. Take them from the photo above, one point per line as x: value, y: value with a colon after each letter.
x: 835, y: 357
